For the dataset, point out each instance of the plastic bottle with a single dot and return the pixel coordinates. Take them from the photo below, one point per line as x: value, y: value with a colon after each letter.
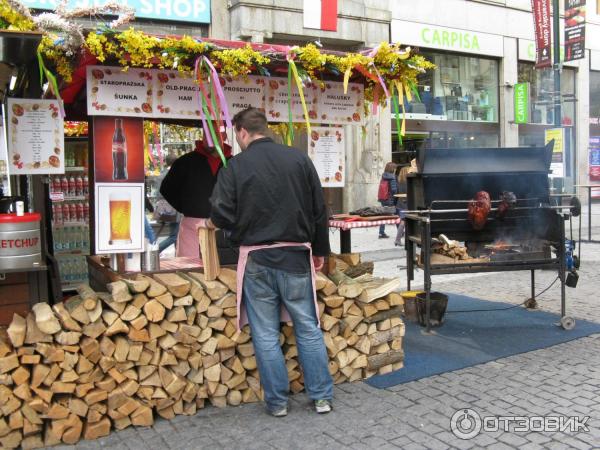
x: 79, y: 186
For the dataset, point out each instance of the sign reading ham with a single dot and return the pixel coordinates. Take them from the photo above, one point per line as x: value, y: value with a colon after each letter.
x: 543, y: 33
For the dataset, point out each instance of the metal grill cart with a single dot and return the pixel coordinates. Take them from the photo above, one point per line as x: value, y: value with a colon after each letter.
x: 530, y: 236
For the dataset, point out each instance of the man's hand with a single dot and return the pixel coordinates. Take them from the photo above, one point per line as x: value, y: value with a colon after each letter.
x: 318, y: 261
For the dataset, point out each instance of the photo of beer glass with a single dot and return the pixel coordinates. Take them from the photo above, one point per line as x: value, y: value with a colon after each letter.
x: 120, y: 218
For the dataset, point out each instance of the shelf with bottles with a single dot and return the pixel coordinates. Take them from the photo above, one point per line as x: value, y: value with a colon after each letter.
x: 73, y: 271
x: 73, y: 187
x: 71, y: 240
x: 65, y: 214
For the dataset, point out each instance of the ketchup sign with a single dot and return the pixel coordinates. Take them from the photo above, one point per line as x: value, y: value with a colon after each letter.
x: 19, y: 243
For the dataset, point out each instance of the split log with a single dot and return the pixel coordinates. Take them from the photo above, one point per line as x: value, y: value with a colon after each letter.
x: 176, y: 285
x: 360, y: 269
x: 45, y: 319
x: 229, y: 278
x: 208, y: 249
x: 119, y: 291
x: 88, y: 295
x: 17, y: 330
x: 377, y: 361
x: 394, y: 312
x: 378, y: 289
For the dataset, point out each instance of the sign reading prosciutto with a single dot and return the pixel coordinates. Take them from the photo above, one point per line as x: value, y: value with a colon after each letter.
x: 169, y: 94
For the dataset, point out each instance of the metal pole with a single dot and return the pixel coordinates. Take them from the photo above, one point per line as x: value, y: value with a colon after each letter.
x: 557, y: 65
x: 589, y: 213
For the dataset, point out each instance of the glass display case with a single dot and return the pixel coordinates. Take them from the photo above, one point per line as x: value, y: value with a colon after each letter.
x: 69, y: 195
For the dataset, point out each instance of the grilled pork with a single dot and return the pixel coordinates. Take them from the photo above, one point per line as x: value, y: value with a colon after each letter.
x: 478, y: 210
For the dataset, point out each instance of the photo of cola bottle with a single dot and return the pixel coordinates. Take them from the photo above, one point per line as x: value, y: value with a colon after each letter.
x: 119, y: 152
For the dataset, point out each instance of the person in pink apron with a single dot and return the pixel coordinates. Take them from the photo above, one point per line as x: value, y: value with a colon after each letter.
x: 270, y: 200
x: 187, y: 187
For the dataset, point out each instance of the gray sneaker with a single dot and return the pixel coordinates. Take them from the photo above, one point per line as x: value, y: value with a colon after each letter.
x: 279, y: 412
x: 323, y: 406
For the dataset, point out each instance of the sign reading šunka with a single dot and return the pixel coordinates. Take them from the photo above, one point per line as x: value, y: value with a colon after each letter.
x: 521, y: 97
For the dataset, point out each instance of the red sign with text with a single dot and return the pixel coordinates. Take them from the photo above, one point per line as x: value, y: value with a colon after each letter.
x: 543, y: 32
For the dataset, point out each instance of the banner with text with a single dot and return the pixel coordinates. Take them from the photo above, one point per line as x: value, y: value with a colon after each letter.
x: 574, y: 29
x: 594, y: 170
x: 543, y: 32
x: 326, y: 150
x: 169, y: 94
x: 557, y: 164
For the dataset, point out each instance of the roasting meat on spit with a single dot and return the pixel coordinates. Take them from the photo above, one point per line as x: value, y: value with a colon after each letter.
x: 507, y: 200
x: 478, y: 210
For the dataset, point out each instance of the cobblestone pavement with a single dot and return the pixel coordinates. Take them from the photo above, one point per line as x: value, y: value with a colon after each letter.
x: 559, y: 380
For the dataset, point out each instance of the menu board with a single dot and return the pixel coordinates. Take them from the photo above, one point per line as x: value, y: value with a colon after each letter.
x: 114, y: 92
x: 170, y: 94
x: 36, y: 141
x: 326, y: 150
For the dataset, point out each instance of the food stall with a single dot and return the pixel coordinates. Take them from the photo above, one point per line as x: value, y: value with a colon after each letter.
x: 140, y: 344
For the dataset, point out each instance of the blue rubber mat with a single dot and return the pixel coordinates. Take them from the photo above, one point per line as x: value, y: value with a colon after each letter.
x: 466, y: 339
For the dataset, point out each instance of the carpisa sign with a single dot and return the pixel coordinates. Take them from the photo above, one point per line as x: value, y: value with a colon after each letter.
x: 454, y: 39
x: 174, y: 10
x: 522, y: 103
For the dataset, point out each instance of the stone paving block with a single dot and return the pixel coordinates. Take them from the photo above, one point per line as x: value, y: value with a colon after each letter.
x: 512, y: 439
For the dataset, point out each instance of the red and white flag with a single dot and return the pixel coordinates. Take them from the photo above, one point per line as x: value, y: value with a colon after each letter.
x: 320, y: 14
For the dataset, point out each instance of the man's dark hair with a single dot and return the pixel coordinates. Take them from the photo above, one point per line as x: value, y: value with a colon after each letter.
x: 251, y: 119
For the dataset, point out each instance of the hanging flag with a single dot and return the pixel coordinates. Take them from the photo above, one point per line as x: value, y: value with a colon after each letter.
x: 320, y: 14
x: 543, y: 33
x: 574, y: 29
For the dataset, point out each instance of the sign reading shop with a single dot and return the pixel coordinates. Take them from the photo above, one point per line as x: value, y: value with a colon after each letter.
x: 176, y: 10
x: 453, y: 39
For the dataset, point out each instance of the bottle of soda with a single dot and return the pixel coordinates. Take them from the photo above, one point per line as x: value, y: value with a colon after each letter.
x: 73, y: 212
x: 80, y: 217
x: 119, y: 152
x: 79, y: 185
x: 64, y: 185
x: 56, y: 185
x: 72, y: 186
x: 86, y: 185
x: 66, y: 212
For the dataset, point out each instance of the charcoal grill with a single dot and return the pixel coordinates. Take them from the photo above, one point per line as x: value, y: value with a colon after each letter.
x: 438, y: 196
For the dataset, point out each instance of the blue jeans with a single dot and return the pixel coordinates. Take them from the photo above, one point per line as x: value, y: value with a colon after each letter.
x: 148, y: 231
x: 171, y: 239
x: 264, y: 291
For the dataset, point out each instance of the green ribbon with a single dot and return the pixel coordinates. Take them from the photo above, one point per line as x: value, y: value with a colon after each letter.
x: 50, y: 77
x: 397, y: 113
x: 290, y: 130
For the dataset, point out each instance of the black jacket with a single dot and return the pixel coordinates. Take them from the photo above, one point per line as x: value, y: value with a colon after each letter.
x: 188, y: 185
x: 268, y: 193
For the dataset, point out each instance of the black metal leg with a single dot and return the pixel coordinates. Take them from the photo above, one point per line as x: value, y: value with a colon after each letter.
x: 345, y: 241
x: 409, y: 263
x: 426, y: 251
x: 562, y: 270
x: 533, y: 285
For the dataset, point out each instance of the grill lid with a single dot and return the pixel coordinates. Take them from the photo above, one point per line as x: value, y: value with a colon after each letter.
x: 456, y: 161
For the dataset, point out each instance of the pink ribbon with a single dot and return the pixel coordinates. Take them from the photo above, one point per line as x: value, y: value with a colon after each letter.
x: 197, y: 77
x: 220, y: 93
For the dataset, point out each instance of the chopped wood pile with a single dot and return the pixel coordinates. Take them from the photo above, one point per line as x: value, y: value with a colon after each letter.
x: 167, y: 345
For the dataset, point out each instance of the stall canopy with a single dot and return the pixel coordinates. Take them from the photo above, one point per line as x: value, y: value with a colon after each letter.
x: 386, y: 72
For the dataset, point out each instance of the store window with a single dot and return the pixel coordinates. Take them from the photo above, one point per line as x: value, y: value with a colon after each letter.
x: 541, y: 87
x: 461, y: 88
x: 595, y: 97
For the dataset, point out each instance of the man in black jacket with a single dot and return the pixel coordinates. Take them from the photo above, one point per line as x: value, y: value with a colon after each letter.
x: 271, y: 201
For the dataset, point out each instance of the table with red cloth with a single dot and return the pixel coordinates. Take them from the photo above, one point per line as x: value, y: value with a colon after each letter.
x: 345, y: 225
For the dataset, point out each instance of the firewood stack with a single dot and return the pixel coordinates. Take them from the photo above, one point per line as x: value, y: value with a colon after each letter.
x: 166, y: 345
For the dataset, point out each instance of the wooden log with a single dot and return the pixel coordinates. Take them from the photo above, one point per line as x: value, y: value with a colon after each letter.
x: 45, y: 319
x: 208, y: 249
x: 360, y: 269
x: 352, y: 259
x: 394, y: 312
x: 214, y: 289
x: 332, y: 301
x: 229, y: 278
x: 154, y: 311
x: 378, y: 289
x: 176, y: 285
x: 137, y: 285
x: 74, y: 306
x: 154, y: 287
x: 386, y: 336
x: 119, y: 291
x: 88, y: 295
x: 108, y: 301
x: 395, y: 299
x: 377, y: 361
x: 325, y: 285
x: 196, y: 289
x: 17, y: 330
x: 9, y: 363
